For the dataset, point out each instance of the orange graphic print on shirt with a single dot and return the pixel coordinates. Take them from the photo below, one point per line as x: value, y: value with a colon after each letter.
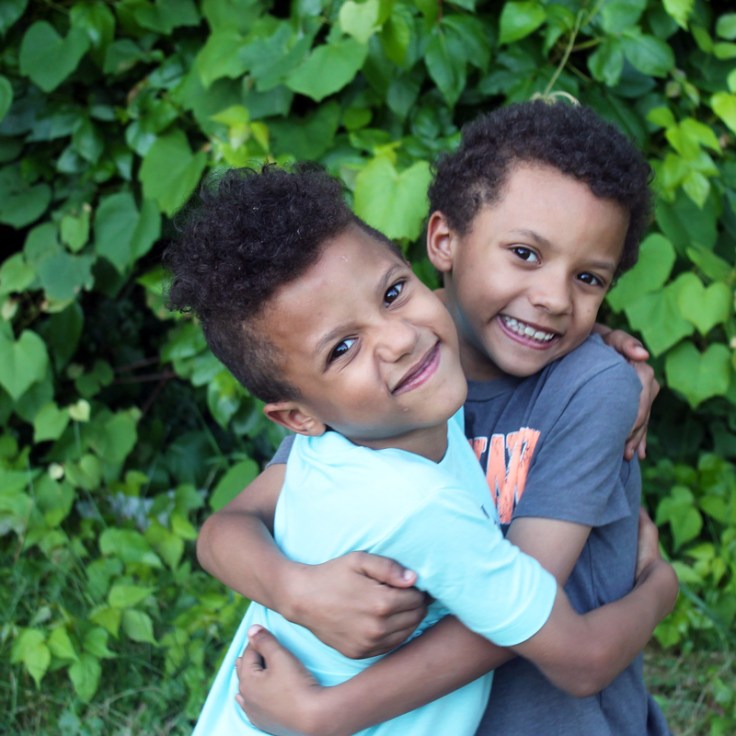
x: 507, y: 466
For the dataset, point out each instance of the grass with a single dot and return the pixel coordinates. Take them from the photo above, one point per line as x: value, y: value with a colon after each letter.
x: 696, y: 691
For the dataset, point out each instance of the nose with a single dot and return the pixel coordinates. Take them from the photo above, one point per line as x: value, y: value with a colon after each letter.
x: 552, y: 294
x: 397, y: 337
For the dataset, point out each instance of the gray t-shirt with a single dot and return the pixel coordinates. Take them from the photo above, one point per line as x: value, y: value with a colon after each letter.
x: 552, y: 446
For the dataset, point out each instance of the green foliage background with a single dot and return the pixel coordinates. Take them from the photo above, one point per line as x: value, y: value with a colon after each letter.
x: 120, y: 431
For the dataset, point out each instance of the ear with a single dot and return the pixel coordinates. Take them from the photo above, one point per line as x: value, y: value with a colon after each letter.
x: 440, y: 242
x: 294, y: 417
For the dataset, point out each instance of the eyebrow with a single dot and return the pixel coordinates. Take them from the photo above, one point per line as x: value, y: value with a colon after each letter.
x: 344, y: 328
x: 607, y: 265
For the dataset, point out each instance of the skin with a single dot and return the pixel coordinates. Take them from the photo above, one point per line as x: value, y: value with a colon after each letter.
x: 541, y: 261
x: 371, y: 350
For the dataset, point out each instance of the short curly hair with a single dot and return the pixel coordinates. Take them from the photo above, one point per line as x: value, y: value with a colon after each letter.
x: 244, y: 235
x: 570, y: 138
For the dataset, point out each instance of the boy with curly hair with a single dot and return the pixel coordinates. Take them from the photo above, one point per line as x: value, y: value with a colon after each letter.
x: 531, y: 219
x: 324, y: 320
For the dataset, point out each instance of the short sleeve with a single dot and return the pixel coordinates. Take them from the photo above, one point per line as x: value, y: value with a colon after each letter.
x: 463, y: 561
x: 578, y: 472
x: 282, y: 452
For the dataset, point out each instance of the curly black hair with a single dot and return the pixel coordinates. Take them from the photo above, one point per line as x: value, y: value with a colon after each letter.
x: 571, y: 138
x: 244, y: 235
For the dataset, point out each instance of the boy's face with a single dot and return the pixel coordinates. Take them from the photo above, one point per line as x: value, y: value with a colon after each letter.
x: 372, y: 350
x: 525, y: 284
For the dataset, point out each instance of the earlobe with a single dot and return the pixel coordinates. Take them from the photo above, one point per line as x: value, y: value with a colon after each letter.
x: 292, y: 415
x: 440, y: 242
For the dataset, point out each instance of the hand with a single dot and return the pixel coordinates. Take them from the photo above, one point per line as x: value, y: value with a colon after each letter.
x: 360, y: 604
x: 275, y: 690
x: 637, y: 355
x: 649, y: 562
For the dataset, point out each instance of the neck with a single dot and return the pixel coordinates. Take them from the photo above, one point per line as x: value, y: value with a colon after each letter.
x: 429, y: 442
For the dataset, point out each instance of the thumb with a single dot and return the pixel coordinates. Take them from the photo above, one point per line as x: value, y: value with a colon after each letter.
x: 385, y: 570
x: 263, y: 646
x: 634, y: 350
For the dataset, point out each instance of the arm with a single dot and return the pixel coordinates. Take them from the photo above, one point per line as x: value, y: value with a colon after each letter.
x: 579, y: 653
x: 359, y: 604
x: 637, y: 355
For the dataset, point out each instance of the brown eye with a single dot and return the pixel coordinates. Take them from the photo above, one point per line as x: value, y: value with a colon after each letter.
x: 393, y: 292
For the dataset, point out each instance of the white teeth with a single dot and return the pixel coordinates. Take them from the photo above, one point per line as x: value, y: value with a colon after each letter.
x: 520, y: 328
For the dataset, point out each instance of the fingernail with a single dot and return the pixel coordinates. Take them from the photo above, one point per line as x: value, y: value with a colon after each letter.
x: 253, y: 630
x: 407, y: 574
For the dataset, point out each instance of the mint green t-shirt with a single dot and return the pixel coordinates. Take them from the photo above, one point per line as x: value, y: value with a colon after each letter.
x: 438, y: 520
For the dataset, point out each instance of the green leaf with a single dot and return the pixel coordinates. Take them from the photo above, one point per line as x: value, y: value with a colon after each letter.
x: 86, y: 473
x: 163, y: 16
x: 97, y: 21
x: 678, y: 509
x: 519, y: 19
x: 656, y: 259
x: 168, y: 545
x: 307, y: 138
x: 6, y: 96
x: 47, y: 58
x: 30, y: 649
x: 446, y: 65
x: 49, y: 423
x: 699, y: 376
x: 657, y: 316
x: 619, y: 15
x: 391, y: 201
x: 21, y: 203
x: 648, y: 54
x: 724, y: 105
x: 15, y: 274
x: 138, y: 626
x: 232, y: 483
x: 85, y: 676
x: 170, y: 171
x: 679, y: 10
x: 95, y: 642
x: 219, y: 57
x: 130, y: 546
x: 328, y: 69
x: 10, y: 12
x: 397, y: 34
x: 360, y: 20
x: 127, y: 596
x: 24, y: 362
x: 61, y: 645
x: 74, y: 228
x: 710, y: 264
x: 122, y: 233
x: 115, y: 435
x: 607, y: 62
x: 704, y: 307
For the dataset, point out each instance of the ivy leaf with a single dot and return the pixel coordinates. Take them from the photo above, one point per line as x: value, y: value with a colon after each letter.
x: 724, y: 105
x: 446, y: 63
x: 10, y: 11
x: 170, y: 171
x: 360, y: 20
x: 122, y: 233
x: 679, y: 10
x: 328, y: 69
x: 235, y: 479
x: 391, y: 201
x: 85, y: 676
x: 618, y: 15
x: 24, y: 362
x: 607, y: 62
x: 219, y: 57
x: 6, y: 96
x: 679, y: 510
x: 127, y: 596
x: 162, y: 16
x: 129, y: 546
x: 138, y: 626
x: 49, y: 423
x: 47, y: 58
x: 21, y: 203
x: 656, y: 259
x: 657, y: 316
x: 61, y: 645
x: 30, y: 648
x: 519, y: 19
x: 699, y: 376
x: 648, y: 54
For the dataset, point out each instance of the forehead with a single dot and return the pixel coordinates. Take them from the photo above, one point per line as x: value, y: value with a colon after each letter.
x: 349, y: 274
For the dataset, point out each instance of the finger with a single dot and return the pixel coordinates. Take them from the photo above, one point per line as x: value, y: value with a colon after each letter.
x: 264, y: 644
x: 249, y: 661
x: 384, y: 570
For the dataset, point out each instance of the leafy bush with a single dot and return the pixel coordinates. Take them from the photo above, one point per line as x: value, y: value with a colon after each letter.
x: 120, y: 429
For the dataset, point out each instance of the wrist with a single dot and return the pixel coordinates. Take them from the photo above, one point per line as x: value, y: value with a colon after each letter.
x: 291, y: 591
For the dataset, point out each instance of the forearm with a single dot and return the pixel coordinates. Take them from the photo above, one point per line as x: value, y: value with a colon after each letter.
x: 588, y: 652
x: 442, y: 659
x: 236, y: 546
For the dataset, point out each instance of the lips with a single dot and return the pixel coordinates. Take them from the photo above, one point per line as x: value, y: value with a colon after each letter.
x: 421, y: 372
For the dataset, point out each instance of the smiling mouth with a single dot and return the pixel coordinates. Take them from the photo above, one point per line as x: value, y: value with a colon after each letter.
x: 421, y: 372
x: 528, y: 331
